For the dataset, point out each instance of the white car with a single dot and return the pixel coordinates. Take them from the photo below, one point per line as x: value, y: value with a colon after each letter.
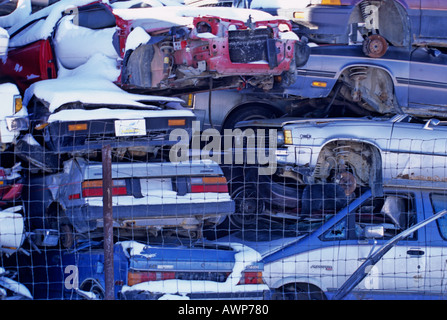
x: 13, y: 117
x: 322, y: 256
x: 356, y: 152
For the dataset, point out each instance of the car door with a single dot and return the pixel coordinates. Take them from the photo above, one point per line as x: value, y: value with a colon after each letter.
x: 29, y: 61
x: 417, y: 150
x: 400, y: 271
x: 427, y: 83
x: 436, y: 248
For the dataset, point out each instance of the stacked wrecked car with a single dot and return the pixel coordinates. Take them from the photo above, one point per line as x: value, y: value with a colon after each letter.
x: 110, y: 73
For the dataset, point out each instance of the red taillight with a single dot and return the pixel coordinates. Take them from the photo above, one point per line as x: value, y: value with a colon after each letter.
x: 93, y: 188
x: 209, y: 184
x: 134, y: 277
x: 9, y: 193
x: 251, y: 278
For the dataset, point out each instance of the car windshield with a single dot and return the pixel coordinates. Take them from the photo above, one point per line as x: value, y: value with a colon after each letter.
x: 273, y: 230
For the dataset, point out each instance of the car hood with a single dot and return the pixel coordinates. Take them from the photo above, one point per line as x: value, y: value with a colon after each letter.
x: 117, y: 114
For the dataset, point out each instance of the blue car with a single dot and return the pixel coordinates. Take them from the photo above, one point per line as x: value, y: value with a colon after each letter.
x: 341, y: 80
x: 377, y: 247
x: 168, y: 271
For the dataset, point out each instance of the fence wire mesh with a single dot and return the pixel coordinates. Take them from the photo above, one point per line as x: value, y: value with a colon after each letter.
x: 294, y: 222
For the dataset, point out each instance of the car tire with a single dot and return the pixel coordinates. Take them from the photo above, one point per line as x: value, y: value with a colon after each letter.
x: 57, y: 220
x: 247, y: 114
x: 248, y: 206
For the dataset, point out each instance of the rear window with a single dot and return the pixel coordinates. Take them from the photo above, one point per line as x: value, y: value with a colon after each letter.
x: 439, y: 203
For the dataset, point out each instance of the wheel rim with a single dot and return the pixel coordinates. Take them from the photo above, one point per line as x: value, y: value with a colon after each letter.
x: 247, y: 207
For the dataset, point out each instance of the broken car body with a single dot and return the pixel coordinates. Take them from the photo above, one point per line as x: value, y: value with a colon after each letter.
x: 341, y: 79
x: 78, y: 119
x: 326, y: 249
x: 184, y: 50
x: 181, y: 197
x: 374, y: 23
x: 355, y: 152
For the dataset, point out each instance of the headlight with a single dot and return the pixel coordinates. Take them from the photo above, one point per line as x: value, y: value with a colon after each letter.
x: 16, y: 124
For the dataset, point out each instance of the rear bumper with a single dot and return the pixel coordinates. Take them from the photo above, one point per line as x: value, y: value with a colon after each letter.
x: 147, y: 295
x: 87, y: 218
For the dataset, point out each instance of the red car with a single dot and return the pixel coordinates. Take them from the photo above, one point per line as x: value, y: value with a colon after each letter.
x: 165, y: 49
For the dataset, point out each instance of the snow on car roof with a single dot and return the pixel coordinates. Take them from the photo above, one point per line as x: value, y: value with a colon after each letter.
x: 90, y: 83
x: 43, y: 22
x: 46, y: 21
x: 22, y: 10
x: 179, y: 14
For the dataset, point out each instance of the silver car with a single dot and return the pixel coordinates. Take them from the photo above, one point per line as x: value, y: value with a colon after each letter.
x: 360, y: 152
x: 147, y: 196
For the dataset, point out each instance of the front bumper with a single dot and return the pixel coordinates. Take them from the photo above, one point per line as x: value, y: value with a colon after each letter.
x: 97, y: 133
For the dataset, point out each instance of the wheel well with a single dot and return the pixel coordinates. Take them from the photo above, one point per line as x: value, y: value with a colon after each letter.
x: 276, y: 112
x: 369, y: 157
x: 389, y: 13
x: 371, y: 87
x: 302, y: 287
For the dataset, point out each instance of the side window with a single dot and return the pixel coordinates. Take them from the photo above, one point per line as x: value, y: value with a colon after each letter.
x: 384, y: 217
x: 439, y: 203
x: 338, y: 232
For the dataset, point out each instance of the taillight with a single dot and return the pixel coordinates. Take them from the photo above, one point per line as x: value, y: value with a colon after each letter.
x: 135, y: 277
x: 10, y: 192
x: 209, y: 184
x: 251, y: 278
x: 93, y: 188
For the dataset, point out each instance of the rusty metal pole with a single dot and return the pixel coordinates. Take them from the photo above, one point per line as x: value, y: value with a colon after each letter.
x: 108, y: 222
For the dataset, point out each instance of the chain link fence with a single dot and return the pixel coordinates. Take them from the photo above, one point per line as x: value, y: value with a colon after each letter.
x: 276, y: 217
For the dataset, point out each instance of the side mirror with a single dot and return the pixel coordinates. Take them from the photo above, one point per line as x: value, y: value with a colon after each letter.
x: 430, y: 123
x: 374, y: 232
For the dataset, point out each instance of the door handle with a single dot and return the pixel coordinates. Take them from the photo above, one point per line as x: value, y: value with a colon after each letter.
x: 415, y: 252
